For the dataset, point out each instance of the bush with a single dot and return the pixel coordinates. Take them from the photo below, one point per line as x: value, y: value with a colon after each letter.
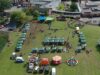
x: 20, y: 17
x: 61, y: 7
x: 73, y: 7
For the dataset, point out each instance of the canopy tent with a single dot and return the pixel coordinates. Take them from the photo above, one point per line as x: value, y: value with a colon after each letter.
x: 54, y: 49
x: 72, y: 61
x: 20, y: 42
x: 41, y: 18
x: 56, y: 60
x: 49, y: 19
x: 77, y: 28
x: 23, y: 38
x: 23, y: 35
x: 47, y: 49
x: 78, y: 49
x: 80, y: 33
x: 83, y: 41
x: 34, y: 50
x: 59, y: 49
x: 52, y: 41
x: 41, y: 50
x: 19, y: 59
x: 44, y: 61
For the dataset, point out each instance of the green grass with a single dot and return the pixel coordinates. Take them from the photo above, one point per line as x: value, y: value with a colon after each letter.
x: 3, y: 39
x: 88, y: 64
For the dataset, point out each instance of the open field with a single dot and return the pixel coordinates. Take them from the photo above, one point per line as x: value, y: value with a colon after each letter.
x: 88, y: 64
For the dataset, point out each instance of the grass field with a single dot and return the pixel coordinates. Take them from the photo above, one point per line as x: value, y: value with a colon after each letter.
x: 88, y: 64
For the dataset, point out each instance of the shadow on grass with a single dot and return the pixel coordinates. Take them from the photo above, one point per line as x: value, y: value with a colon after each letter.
x: 98, y: 48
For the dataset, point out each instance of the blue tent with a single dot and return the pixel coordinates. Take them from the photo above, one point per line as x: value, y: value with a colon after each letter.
x: 41, y: 18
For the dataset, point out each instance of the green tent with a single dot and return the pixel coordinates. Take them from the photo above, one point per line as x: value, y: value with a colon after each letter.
x: 82, y: 41
x: 49, y: 19
x: 20, y: 42
x: 54, y: 49
x: 82, y: 38
x: 48, y: 49
x: 23, y: 38
x: 60, y: 49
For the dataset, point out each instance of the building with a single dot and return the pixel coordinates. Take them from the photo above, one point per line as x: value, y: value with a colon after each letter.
x: 21, y: 2
x: 90, y: 9
x: 52, y: 4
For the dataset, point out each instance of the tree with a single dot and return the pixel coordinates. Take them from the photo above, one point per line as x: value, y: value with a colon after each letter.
x: 35, y: 14
x: 4, y: 4
x: 20, y: 17
x: 61, y: 7
x: 73, y: 7
x: 74, y: 0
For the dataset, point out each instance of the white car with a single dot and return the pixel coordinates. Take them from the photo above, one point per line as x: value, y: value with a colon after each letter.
x: 53, y: 71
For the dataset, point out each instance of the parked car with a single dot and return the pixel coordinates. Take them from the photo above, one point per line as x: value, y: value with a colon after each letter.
x: 53, y: 71
x: 46, y: 69
x: 36, y: 69
x: 41, y: 69
x: 30, y: 67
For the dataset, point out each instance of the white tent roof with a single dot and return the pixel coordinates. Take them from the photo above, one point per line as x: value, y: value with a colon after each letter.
x: 19, y: 58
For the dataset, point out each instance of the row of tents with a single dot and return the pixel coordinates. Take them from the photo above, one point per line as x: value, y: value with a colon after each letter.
x: 82, y: 42
x: 22, y: 37
x: 53, y: 41
x: 47, y: 50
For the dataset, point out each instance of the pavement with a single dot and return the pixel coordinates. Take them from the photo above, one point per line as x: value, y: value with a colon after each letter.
x: 4, y: 29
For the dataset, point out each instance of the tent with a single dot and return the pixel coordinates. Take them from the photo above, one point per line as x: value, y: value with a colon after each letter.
x: 41, y: 18
x: 34, y: 50
x: 47, y: 49
x: 41, y: 50
x: 54, y: 49
x: 72, y: 61
x: 59, y: 49
x: 49, y: 19
x: 19, y: 59
x: 56, y: 60
x: 20, y: 42
x: 44, y: 61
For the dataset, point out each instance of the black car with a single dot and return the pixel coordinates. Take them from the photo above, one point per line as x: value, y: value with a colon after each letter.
x: 41, y: 69
x: 46, y: 69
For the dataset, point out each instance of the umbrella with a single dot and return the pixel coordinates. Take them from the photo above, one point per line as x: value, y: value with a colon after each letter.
x: 56, y: 59
x: 44, y: 61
